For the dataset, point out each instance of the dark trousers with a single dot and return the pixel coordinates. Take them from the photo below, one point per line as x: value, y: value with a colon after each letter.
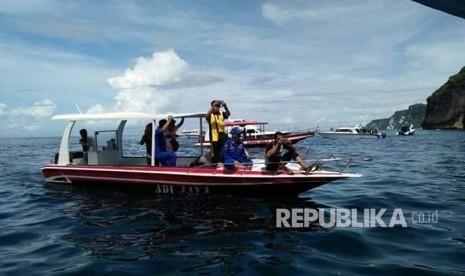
x: 217, y: 149
x: 275, y: 162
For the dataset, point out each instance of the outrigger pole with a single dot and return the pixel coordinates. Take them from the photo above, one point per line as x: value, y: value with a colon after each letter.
x: 152, y: 154
x: 201, y: 136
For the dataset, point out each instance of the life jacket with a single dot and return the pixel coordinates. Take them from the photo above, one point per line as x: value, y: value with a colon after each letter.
x: 216, y: 126
x: 235, y: 150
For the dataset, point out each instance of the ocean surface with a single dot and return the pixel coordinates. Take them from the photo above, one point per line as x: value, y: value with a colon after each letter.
x: 61, y: 230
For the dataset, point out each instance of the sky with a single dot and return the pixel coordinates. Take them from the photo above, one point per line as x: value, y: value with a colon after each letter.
x: 296, y: 64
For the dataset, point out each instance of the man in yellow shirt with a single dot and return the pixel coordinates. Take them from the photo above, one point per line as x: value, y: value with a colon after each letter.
x: 215, y: 120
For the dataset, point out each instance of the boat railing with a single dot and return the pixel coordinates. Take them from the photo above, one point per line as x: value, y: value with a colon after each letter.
x: 218, y: 167
x: 343, y: 168
x: 342, y: 165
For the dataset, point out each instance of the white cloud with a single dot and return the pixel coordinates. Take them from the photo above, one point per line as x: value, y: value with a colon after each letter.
x: 442, y: 55
x: 146, y: 99
x: 161, y: 68
x: 24, y: 120
x: 39, y: 110
x: 139, y: 87
x: 280, y: 14
x: 98, y: 108
x: 3, y: 108
x: 277, y: 15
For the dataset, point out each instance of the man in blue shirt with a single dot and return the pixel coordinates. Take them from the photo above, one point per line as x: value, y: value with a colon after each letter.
x: 235, y: 155
x: 166, y: 158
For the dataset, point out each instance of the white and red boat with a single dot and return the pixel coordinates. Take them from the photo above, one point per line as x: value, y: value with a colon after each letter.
x: 255, y: 135
x: 106, y: 164
x: 193, y: 133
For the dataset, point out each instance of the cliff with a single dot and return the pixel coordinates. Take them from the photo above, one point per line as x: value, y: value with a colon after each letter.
x: 413, y: 115
x: 446, y: 106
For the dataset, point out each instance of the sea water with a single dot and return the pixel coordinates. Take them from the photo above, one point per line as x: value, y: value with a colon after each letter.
x: 58, y: 230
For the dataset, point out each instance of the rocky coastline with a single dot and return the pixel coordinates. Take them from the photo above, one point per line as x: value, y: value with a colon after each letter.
x: 446, y: 106
x: 445, y: 109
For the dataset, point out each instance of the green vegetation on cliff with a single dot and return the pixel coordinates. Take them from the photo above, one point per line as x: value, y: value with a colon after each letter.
x: 446, y: 106
x: 380, y: 124
x: 413, y: 115
x: 454, y: 81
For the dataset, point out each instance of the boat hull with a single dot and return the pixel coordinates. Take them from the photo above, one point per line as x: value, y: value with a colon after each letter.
x: 335, y: 135
x: 407, y: 133
x: 164, y: 180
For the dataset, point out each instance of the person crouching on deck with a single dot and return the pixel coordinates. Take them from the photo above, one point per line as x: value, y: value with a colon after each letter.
x: 275, y: 159
x: 165, y: 157
x: 235, y: 156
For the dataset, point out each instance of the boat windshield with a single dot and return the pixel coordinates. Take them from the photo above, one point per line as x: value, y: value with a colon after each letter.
x: 105, y: 140
x: 346, y: 130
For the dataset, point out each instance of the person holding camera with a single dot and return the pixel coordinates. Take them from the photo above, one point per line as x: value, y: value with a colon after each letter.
x: 275, y: 159
x: 215, y: 118
x: 165, y: 157
x: 172, y: 143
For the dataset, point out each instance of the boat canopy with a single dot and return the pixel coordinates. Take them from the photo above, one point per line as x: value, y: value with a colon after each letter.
x: 123, y: 116
x: 346, y: 130
x: 243, y: 123
x: 63, y: 157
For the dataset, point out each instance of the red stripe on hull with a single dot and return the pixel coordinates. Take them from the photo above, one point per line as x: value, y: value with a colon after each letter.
x: 220, y: 180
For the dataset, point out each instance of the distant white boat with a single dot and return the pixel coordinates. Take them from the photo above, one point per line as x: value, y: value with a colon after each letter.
x: 352, y: 132
x: 192, y: 133
x: 251, y: 128
x: 406, y: 130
